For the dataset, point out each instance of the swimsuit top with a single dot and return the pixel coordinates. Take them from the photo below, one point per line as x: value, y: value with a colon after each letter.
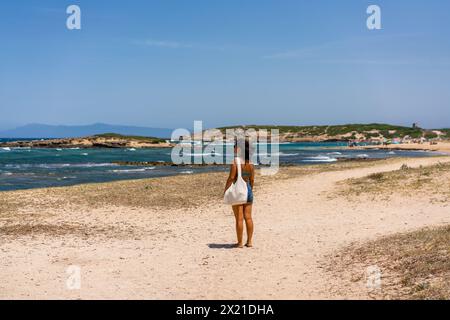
x: 245, y: 174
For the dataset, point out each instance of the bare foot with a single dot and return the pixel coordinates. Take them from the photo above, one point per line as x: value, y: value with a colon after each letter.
x: 249, y: 244
x: 239, y: 245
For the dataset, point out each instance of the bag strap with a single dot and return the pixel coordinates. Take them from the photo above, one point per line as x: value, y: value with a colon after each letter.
x: 238, y: 164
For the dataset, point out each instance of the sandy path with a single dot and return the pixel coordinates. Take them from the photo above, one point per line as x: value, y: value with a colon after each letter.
x: 184, y: 255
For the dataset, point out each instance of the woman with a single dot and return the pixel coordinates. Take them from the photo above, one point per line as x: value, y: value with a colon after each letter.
x: 243, y: 211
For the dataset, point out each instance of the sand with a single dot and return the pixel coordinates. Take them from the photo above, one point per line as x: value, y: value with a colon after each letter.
x: 126, y: 252
x: 441, y: 146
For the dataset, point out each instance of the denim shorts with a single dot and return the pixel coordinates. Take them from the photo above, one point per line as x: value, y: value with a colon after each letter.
x: 249, y: 193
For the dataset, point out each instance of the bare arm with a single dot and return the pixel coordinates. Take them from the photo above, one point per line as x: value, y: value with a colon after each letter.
x: 231, y: 177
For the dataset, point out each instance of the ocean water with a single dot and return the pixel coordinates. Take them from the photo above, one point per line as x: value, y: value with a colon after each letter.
x: 22, y: 168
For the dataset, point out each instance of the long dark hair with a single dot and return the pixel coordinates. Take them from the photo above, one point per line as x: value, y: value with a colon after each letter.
x: 246, y: 151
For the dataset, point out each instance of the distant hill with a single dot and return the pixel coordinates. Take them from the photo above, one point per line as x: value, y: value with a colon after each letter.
x: 50, y: 131
x: 374, y: 131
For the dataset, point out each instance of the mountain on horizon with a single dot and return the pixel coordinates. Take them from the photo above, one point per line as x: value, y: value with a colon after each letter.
x: 37, y: 130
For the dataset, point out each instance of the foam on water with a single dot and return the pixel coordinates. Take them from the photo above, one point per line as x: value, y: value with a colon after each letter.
x: 320, y: 159
x: 57, y: 165
x: 131, y: 170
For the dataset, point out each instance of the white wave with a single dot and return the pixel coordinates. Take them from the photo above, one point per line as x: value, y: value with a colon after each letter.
x: 391, y: 152
x: 58, y: 149
x: 320, y: 159
x: 132, y: 170
x: 85, y: 154
x: 334, y: 153
x: 59, y: 165
x: 6, y: 149
x: 131, y: 149
x: 93, y: 165
x: 65, y: 178
x: 288, y: 154
x: 324, y: 160
x: 187, y: 172
x: 363, y: 156
x: 74, y: 148
x: 7, y: 173
x: 276, y: 154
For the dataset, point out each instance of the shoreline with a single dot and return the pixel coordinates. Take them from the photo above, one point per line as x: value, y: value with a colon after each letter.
x: 439, y: 147
x: 219, y: 169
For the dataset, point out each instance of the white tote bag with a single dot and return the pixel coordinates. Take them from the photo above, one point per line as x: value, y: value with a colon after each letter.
x: 237, y: 193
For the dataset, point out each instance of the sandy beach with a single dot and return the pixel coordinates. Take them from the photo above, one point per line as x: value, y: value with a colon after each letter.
x: 441, y: 146
x: 171, y: 238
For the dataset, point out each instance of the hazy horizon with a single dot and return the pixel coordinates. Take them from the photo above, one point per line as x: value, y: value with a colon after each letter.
x: 163, y: 65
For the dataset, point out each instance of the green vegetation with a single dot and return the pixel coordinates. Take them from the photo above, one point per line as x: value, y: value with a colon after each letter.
x: 368, y: 130
x: 125, y: 137
x: 430, y: 135
x: 447, y: 132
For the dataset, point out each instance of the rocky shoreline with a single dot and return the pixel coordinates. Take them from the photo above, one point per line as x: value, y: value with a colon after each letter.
x: 116, y: 141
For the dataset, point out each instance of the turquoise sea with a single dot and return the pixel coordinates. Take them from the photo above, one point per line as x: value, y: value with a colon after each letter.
x: 22, y: 168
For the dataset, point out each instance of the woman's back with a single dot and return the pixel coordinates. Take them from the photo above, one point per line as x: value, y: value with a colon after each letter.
x: 246, y: 171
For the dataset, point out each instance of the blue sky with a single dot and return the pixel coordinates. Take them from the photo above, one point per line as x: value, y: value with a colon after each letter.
x: 167, y: 63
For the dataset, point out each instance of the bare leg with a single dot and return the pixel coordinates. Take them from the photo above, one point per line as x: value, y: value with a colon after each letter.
x: 249, y: 224
x: 239, y: 215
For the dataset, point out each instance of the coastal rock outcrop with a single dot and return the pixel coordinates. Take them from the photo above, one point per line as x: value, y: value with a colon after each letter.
x: 98, y: 141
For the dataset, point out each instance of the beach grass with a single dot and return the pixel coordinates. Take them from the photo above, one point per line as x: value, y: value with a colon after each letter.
x: 414, y: 265
x: 432, y: 180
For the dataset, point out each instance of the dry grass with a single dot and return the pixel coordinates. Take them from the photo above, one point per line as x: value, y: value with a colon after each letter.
x: 434, y: 181
x: 62, y: 230
x: 182, y: 191
x: 415, y: 265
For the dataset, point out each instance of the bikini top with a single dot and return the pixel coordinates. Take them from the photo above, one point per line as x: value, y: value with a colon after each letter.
x: 245, y: 173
